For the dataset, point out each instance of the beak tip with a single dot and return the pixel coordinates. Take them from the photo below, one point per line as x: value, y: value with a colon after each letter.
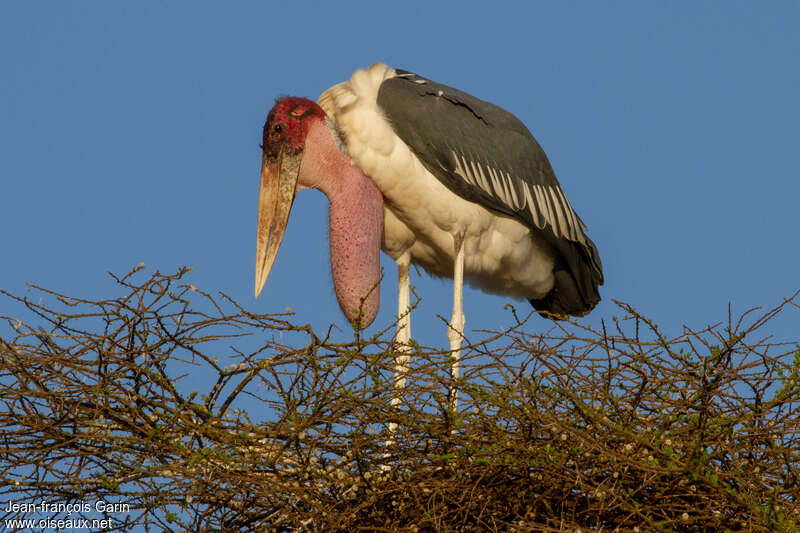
x: 259, y: 286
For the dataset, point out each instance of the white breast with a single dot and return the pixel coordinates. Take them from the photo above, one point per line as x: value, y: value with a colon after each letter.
x: 502, y: 256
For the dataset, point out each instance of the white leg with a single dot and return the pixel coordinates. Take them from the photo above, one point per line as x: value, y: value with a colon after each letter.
x: 402, y: 349
x: 403, y: 303
x: 455, y: 330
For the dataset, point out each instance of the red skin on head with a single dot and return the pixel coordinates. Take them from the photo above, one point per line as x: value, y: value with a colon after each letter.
x: 288, y: 123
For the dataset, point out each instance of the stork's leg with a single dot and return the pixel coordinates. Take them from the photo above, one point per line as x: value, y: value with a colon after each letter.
x: 455, y: 330
x: 403, y: 301
x: 403, y: 348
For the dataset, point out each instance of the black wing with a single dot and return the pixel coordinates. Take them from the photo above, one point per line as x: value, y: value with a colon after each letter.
x: 486, y: 155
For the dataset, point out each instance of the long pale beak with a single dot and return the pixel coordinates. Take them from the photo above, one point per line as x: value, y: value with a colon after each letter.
x: 278, y: 184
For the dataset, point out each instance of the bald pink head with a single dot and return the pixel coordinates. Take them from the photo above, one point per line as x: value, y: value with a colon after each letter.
x: 299, y: 149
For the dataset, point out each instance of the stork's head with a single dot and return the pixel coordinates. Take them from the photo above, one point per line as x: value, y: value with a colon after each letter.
x: 287, y: 125
x: 285, y: 131
x: 300, y: 151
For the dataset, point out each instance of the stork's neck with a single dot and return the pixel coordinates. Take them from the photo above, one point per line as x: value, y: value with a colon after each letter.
x: 356, y: 223
x: 324, y: 166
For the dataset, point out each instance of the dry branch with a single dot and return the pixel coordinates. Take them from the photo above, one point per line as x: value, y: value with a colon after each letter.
x: 203, y: 416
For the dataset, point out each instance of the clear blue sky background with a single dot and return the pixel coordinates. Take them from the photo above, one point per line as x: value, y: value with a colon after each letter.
x: 129, y: 133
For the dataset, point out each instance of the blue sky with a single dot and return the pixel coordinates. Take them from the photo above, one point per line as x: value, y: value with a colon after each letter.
x: 129, y: 133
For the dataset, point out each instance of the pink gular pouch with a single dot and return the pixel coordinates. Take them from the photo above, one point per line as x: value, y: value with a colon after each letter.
x: 300, y: 153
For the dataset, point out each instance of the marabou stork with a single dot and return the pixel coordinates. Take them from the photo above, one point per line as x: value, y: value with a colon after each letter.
x: 435, y: 177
